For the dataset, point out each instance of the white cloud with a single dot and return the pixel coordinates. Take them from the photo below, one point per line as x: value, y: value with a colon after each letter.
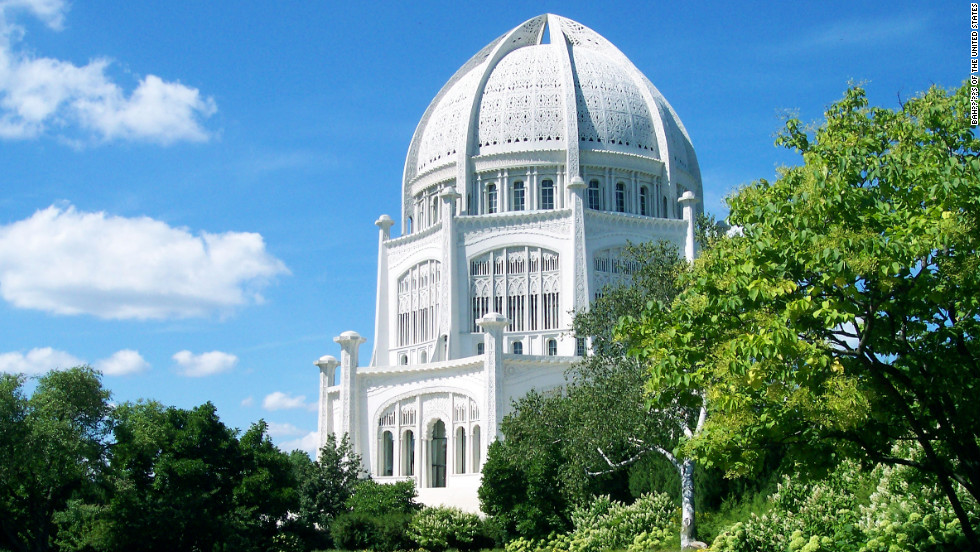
x: 122, y: 363
x: 51, y: 12
x: 67, y: 262
x: 37, y: 361
x: 41, y: 93
x: 284, y: 430
x: 205, y: 364
x: 309, y: 443
x: 248, y: 401
x: 284, y: 401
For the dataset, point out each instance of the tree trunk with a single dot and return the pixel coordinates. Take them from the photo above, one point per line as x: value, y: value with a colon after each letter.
x: 688, y: 529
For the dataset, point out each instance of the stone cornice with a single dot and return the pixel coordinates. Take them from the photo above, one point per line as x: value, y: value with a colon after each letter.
x: 511, y: 218
x: 473, y: 362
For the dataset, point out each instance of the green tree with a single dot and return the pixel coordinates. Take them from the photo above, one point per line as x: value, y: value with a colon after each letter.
x: 176, y: 473
x: 522, y: 485
x: 616, y: 425
x: 52, y: 449
x: 846, y: 315
x: 329, y: 483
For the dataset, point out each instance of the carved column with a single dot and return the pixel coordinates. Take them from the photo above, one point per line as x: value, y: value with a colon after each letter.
x: 382, y: 323
x: 349, y: 342
x: 576, y: 193
x: 449, y: 307
x: 325, y: 426
x: 493, y: 325
x: 688, y: 201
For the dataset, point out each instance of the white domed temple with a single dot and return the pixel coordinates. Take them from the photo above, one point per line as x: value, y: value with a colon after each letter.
x: 529, y: 172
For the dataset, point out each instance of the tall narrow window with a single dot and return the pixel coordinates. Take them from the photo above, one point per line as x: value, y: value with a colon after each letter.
x: 620, y: 198
x: 547, y: 194
x: 479, y: 348
x: 517, y: 348
x: 552, y: 347
x: 518, y: 203
x: 491, y: 198
x: 580, y: 346
x: 387, y: 454
x: 666, y: 215
x: 418, y: 303
x: 476, y: 449
x: 408, y: 453
x: 438, y: 454
x: 644, y: 202
x: 461, y: 450
x: 595, y: 199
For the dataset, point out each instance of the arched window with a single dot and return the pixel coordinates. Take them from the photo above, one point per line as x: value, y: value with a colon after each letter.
x: 491, y: 198
x: 434, y: 211
x: 519, y: 282
x: 547, y: 194
x: 423, y: 358
x: 387, y: 454
x: 409, y: 225
x: 518, y: 196
x: 666, y: 214
x: 461, y: 450
x: 408, y: 453
x: 594, y: 197
x: 620, y: 197
x: 418, y: 303
x: 552, y: 347
x: 517, y: 348
x: 644, y: 202
x: 476, y: 449
x: 403, y: 360
x: 580, y: 346
x: 437, y: 452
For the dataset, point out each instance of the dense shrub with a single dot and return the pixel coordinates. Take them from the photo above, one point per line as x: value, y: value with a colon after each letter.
x: 379, y: 499
x: 607, y: 524
x: 907, y: 513
x: 438, y: 529
x: 808, y: 517
x: 904, y: 513
x: 382, y: 533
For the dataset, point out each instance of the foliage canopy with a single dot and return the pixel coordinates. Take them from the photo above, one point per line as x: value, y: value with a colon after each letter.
x: 846, y: 315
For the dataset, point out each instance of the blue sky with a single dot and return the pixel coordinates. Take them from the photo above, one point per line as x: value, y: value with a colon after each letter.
x: 188, y: 189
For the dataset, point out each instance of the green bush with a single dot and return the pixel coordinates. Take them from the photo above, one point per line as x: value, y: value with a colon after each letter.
x: 607, y: 524
x: 907, y: 513
x: 903, y: 513
x: 438, y: 529
x: 384, y: 533
x: 379, y: 499
x: 805, y: 517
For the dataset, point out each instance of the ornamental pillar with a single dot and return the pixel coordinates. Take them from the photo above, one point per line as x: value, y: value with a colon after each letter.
x: 688, y: 201
x: 381, y: 309
x: 576, y: 193
x: 493, y: 325
x: 448, y: 303
x: 349, y: 342
x: 325, y: 424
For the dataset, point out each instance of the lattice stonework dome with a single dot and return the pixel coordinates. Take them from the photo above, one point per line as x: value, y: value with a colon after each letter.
x: 521, y: 94
x: 533, y: 168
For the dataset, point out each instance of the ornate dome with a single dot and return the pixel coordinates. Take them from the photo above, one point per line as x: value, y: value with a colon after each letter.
x: 520, y: 94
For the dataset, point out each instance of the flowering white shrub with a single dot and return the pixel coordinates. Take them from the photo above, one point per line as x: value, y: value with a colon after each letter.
x: 906, y: 514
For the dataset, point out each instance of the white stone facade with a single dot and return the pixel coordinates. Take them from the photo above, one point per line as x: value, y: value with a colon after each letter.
x: 528, y: 173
